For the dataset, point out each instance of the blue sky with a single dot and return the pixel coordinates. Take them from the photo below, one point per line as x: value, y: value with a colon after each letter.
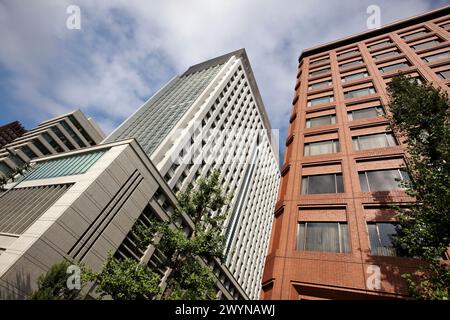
x: 126, y: 50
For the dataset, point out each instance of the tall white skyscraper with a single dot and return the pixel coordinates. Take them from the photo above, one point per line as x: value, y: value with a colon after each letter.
x: 212, y: 117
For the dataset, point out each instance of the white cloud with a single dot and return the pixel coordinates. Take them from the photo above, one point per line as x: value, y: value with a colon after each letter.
x: 126, y: 50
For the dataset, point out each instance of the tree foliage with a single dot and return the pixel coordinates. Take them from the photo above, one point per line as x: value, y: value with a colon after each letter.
x: 126, y: 279
x: 206, y: 204
x: 420, y: 114
x: 53, y: 284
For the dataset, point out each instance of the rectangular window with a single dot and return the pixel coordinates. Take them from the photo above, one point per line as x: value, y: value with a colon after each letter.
x: 5, y: 169
x: 323, y: 183
x: 415, y: 34
x: 319, y: 85
x: 366, y: 113
x: 319, y: 61
x: 63, y: 138
x: 321, y: 121
x: 38, y: 144
x: 72, y: 134
x: 382, y: 180
x: 386, y: 54
x: 381, y: 235
x: 321, y: 71
x: 350, y: 64
x: 445, y: 25
x: 425, y: 44
x: 346, y: 54
x: 321, y: 100
x: 359, y: 92
x: 355, y: 76
x: 321, y: 147
x: 52, y: 142
x: 439, y: 56
x: 445, y: 74
x: 27, y: 150
x: 373, y: 141
x: 323, y: 236
x: 393, y: 67
x: 379, y: 45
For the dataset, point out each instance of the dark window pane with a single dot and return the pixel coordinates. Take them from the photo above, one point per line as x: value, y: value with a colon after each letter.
x: 322, y: 184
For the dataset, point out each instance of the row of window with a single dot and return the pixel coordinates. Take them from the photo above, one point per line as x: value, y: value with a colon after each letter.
x: 334, y: 237
x: 362, y: 142
x: 369, y: 181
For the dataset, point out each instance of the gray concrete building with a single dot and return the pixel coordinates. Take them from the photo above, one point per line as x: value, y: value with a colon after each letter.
x: 64, y: 133
x: 80, y: 206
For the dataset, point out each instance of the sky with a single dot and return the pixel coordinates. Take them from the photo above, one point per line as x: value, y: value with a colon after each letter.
x: 126, y: 50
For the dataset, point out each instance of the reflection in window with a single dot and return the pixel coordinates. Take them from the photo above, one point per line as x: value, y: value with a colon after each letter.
x: 365, y: 113
x: 355, y: 76
x: 439, y: 56
x: 373, y: 141
x: 321, y: 147
x: 381, y: 235
x: 323, y: 183
x: 382, y: 180
x: 359, y: 92
x: 321, y: 100
x: 321, y: 121
x: 323, y: 236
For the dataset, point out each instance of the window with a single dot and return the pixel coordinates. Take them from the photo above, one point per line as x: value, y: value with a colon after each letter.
x: 445, y: 74
x: 415, y: 34
x: 63, y: 138
x: 319, y: 85
x: 359, y: 92
x: 81, y: 129
x: 382, y: 180
x: 346, y: 54
x: 72, y: 134
x: 52, y: 142
x: 386, y: 54
x: 323, y: 236
x: 321, y: 147
x: 373, y: 141
x: 38, y: 144
x: 445, y: 25
x: 425, y: 44
x: 320, y: 61
x: 314, y: 102
x: 323, y: 183
x: 366, y: 113
x: 393, y: 67
x: 350, y: 64
x: 27, y: 150
x: 355, y: 76
x: 321, y: 71
x: 381, y: 236
x: 438, y: 56
x: 379, y: 45
x: 5, y: 169
x: 321, y: 121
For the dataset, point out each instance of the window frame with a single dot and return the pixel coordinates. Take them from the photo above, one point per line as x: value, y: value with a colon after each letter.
x: 304, y: 190
x: 302, y: 243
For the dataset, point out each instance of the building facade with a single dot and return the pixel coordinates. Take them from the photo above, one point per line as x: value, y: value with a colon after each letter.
x: 10, y: 131
x: 80, y: 206
x: 68, y: 132
x: 212, y: 117
x: 331, y: 237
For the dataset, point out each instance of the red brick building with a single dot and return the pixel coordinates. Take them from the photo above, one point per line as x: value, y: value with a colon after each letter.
x: 10, y: 131
x: 331, y: 236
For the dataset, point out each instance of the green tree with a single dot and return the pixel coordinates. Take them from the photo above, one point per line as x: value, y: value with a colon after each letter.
x: 190, y: 277
x: 420, y: 114
x: 53, y: 284
x: 126, y: 279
